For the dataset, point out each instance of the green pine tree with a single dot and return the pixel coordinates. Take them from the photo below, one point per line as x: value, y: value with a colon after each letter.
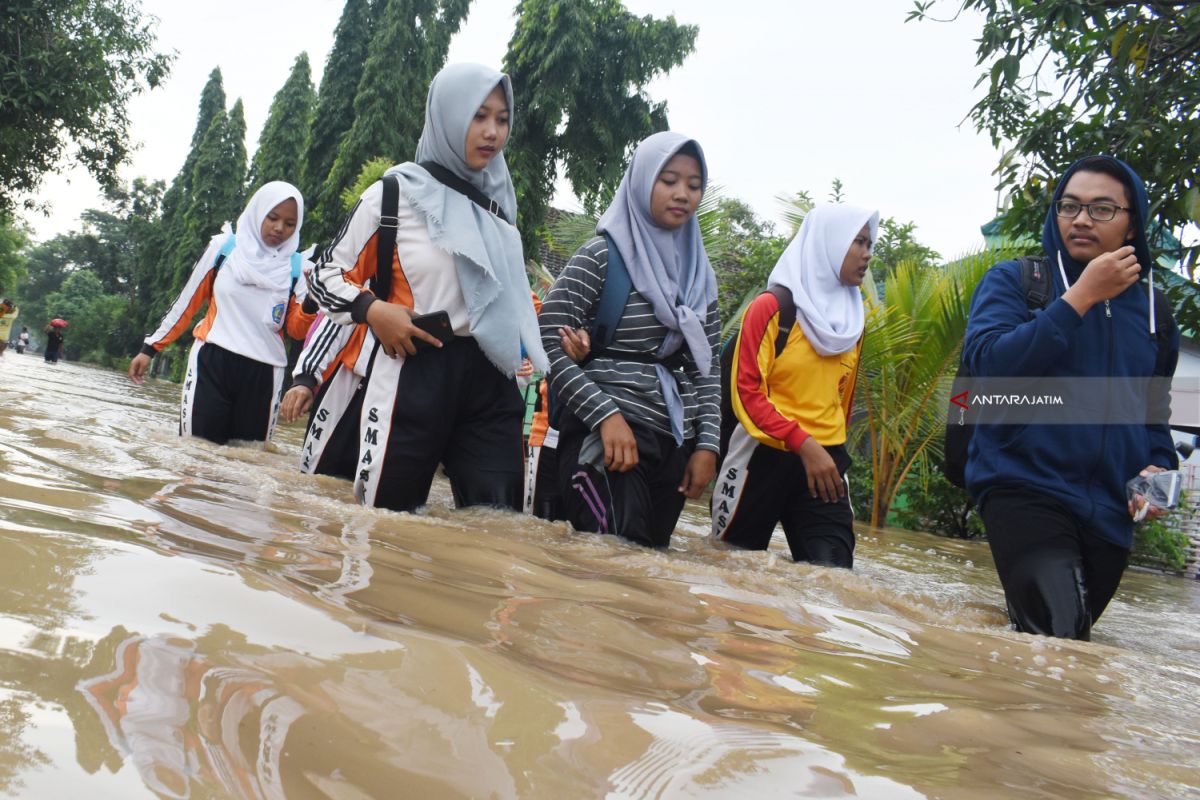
x: 176, y: 199
x: 334, y: 114
x: 217, y: 187
x: 165, y: 236
x: 213, y: 101
x: 408, y: 48
x: 579, y: 70
x: 284, y: 139
x: 236, y: 158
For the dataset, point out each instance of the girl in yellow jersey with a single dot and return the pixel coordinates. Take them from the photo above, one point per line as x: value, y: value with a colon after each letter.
x: 787, y: 460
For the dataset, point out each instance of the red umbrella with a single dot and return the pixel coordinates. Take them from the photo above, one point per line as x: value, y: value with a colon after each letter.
x: 58, y: 323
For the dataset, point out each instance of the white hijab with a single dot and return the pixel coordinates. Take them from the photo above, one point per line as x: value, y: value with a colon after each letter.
x: 829, y: 311
x: 252, y: 261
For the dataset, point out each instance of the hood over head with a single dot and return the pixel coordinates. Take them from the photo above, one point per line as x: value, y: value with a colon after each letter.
x: 1052, y: 241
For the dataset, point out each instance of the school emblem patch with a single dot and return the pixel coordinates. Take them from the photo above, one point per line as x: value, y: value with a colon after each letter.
x: 277, y: 313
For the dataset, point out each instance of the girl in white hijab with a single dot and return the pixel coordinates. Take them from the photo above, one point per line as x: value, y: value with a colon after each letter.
x: 248, y: 279
x: 458, y: 320
x: 792, y: 386
x: 639, y: 427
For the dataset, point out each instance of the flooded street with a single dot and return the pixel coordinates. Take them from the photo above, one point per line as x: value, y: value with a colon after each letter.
x: 186, y: 620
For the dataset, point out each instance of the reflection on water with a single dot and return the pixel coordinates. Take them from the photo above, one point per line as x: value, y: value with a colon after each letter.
x: 179, y: 619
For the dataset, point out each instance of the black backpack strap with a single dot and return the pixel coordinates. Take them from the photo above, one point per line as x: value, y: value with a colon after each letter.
x: 787, y: 315
x: 1164, y: 322
x: 385, y: 245
x: 452, y: 181
x: 1035, y: 280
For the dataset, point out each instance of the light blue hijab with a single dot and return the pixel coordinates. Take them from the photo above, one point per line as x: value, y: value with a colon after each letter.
x: 669, y: 268
x: 487, y: 251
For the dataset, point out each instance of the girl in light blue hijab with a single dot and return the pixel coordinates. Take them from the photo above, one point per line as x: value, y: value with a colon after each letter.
x: 640, y: 425
x: 486, y: 246
x: 458, y: 322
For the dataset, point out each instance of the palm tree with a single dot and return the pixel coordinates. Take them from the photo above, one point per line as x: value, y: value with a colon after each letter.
x: 910, y: 354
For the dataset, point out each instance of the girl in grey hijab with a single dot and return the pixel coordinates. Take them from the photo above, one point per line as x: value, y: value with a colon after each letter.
x: 487, y: 249
x: 458, y: 268
x: 639, y: 430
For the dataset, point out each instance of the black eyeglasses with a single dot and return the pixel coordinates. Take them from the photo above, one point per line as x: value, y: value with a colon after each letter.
x: 1101, y: 212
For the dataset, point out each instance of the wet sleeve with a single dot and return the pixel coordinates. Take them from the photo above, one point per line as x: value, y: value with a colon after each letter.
x: 323, y: 348
x: 196, y: 292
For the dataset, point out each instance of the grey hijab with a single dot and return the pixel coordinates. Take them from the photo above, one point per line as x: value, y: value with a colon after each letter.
x: 669, y: 268
x: 487, y: 251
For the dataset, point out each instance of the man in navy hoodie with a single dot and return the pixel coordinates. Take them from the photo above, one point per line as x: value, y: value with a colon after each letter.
x: 1052, y: 497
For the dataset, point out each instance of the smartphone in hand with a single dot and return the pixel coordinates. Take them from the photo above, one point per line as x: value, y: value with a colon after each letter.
x: 437, y: 323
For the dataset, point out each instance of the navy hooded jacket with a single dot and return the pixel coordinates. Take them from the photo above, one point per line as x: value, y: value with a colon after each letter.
x: 1084, y: 466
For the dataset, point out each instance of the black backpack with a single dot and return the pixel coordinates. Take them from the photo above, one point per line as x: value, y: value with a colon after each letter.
x: 787, y: 318
x: 1035, y: 280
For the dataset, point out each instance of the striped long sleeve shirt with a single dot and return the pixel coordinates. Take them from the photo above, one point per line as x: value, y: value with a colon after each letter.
x: 608, y: 384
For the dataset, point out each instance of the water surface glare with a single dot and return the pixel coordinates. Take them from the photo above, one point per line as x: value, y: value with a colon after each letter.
x: 179, y: 619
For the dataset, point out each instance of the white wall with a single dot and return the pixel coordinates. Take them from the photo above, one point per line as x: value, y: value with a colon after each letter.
x: 1186, y: 401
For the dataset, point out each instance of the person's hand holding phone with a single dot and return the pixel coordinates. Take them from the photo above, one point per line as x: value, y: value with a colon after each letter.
x: 393, y: 326
x: 436, y: 324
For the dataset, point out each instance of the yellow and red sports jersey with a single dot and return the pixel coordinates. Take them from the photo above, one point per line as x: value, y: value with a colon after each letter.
x: 782, y: 401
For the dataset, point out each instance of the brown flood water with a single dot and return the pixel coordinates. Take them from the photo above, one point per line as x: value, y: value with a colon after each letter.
x: 184, y: 620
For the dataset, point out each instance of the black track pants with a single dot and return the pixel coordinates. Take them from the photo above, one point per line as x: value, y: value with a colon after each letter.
x: 228, y: 396
x: 331, y: 438
x: 451, y: 407
x: 759, y: 487
x: 642, y: 505
x: 1058, y: 577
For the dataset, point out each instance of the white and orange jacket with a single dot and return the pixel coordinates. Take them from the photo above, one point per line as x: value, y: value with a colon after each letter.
x: 243, y: 319
x: 424, y: 278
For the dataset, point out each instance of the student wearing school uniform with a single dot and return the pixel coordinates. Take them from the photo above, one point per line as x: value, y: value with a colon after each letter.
x: 640, y: 425
x: 327, y: 384
x: 457, y: 262
x: 787, y: 460
x: 542, y: 496
x: 235, y: 368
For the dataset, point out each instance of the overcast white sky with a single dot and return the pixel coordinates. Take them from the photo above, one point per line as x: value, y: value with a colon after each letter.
x: 783, y: 95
